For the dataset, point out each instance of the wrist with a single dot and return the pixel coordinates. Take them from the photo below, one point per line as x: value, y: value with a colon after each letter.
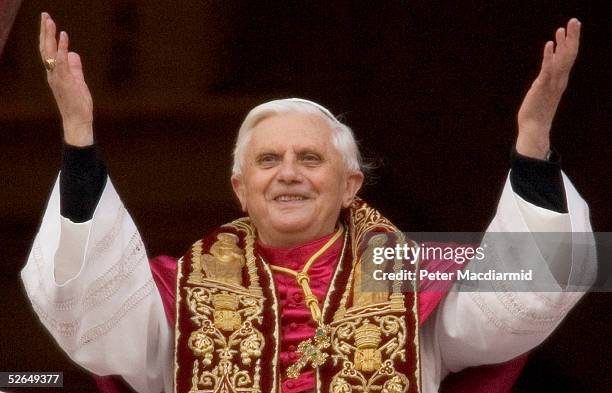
x: 532, y: 148
x: 533, y: 139
x: 79, y: 134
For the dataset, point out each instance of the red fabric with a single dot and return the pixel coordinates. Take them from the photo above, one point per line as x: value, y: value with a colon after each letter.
x: 297, y: 323
x: 112, y: 384
x: 296, y: 320
x: 164, y: 269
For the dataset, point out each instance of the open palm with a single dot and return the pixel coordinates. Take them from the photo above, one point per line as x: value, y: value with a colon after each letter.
x: 540, y: 104
x: 68, y: 84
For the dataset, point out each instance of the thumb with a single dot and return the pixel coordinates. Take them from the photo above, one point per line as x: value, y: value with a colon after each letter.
x: 76, y: 68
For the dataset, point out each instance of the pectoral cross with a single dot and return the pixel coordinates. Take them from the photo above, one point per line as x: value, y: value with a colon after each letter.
x: 312, y: 352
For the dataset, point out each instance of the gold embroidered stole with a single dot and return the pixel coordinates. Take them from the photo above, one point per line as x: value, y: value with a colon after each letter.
x: 227, y: 317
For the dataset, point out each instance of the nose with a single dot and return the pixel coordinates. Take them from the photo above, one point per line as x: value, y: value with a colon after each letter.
x: 289, y: 172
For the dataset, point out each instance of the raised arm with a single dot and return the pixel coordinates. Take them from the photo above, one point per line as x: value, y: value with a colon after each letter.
x: 88, y: 276
x: 65, y: 77
x: 540, y: 104
x: 476, y: 328
x: 536, y: 173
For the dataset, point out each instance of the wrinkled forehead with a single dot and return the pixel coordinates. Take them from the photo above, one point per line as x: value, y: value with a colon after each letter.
x: 293, y: 130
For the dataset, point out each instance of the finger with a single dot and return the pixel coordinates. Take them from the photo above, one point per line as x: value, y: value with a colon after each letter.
x: 61, y: 58
x: 41, y: 36
x: 547, y: 61
x: 76, y: 68
x: 570, y: 47
x: 50, y: 43
x: 560, y: 39
x: 573, y: 35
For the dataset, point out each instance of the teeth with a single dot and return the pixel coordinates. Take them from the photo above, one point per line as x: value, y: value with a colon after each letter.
x: 288, y: 198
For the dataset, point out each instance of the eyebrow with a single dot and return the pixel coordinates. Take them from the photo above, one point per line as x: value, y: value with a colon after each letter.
x: 300, y: 152
x: 305, y: 152
x: 266, y: 153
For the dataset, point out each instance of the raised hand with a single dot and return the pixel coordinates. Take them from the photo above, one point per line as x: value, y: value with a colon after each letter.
x: 540, y: 104
x: 65, y: 77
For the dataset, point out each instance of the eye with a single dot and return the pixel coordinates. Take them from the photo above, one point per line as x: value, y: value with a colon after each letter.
x: 267, y: 160
x: 310, y: 159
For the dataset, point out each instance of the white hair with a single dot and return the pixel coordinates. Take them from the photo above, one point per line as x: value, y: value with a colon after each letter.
x: 342, y: 136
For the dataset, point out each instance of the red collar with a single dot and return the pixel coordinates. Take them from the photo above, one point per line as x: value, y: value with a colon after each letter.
x: 295, y: 257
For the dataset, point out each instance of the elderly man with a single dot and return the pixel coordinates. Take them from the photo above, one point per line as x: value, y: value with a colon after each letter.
x: 272, y: 302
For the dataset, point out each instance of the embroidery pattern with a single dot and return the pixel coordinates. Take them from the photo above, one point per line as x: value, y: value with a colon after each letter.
x: 482, y: 299
x: 109, y: 238
x: 368, y: 348
x: 369, y: 340
x: 105, y: 327
x: 100, y: 291
x: 105, y: 286
x: 111, y: 281
x: 227, y: 343
x: 57, y: 328
x: 212, y: 340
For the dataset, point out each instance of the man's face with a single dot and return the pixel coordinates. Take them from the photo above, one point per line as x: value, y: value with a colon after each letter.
x: 294, y: 182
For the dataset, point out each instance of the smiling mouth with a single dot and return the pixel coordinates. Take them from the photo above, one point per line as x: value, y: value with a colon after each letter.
x: 290, y: 198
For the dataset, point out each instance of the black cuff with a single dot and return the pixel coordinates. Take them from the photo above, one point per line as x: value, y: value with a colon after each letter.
x: 82, y: 180
x: 538, y: 181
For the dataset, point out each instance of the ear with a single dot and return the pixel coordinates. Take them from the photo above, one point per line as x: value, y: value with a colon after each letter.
x: 353, y: 185
x: 240, y: 191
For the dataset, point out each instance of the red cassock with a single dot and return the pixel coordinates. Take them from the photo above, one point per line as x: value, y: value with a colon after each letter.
x: 297, y: 324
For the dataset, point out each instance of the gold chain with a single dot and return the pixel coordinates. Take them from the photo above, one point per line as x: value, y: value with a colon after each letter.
x: 312, y: 350
x: 303, y: 279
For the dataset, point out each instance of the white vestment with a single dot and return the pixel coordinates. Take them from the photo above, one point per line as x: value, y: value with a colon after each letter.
x: 91, y: 286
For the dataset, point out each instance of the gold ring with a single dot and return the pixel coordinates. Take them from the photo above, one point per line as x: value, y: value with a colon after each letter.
x: 50, y: 64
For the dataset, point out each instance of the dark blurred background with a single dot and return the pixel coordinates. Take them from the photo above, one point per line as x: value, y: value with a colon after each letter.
x: 431, y: 89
